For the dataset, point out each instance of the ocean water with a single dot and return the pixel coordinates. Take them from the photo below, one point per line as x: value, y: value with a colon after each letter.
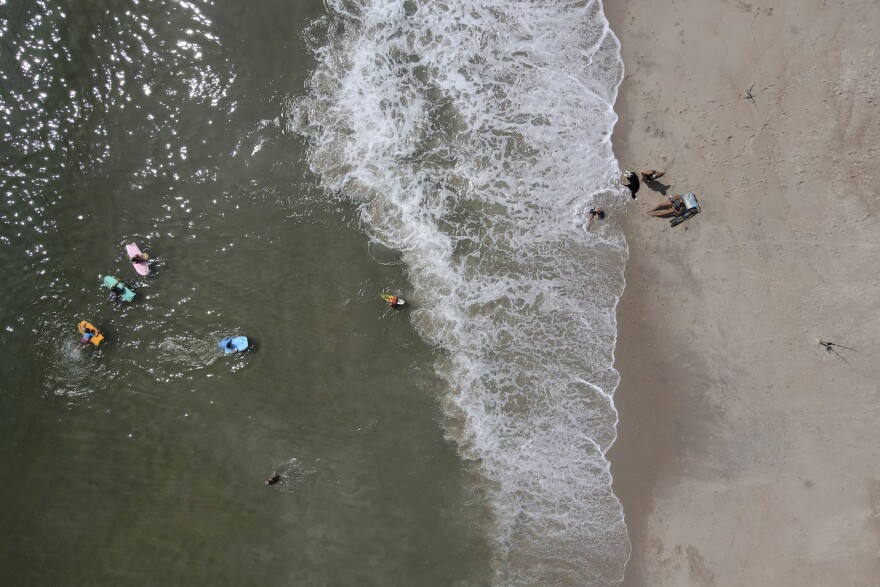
x: 472, y: 137
x: 287, y: 162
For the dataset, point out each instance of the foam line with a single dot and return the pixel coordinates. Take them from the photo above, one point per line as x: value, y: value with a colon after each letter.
x: 470, y: 134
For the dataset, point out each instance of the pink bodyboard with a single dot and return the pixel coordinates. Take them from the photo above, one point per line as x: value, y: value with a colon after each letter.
x: 132, y: 249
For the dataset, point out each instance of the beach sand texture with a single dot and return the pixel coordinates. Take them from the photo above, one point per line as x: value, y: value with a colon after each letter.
x: 747, y: 453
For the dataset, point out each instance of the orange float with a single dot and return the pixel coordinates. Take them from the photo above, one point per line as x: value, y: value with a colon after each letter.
x: 96, y: 338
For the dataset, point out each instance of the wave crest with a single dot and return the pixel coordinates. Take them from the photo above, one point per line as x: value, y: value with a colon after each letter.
x: 473, y: 137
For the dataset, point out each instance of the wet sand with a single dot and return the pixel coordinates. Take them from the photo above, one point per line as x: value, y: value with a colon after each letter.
x: 748, y: 453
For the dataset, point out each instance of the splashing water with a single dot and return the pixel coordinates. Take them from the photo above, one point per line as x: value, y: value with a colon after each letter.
x: 474, y: 136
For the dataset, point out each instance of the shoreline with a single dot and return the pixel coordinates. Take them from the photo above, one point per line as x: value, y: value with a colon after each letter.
x: 746, y: 453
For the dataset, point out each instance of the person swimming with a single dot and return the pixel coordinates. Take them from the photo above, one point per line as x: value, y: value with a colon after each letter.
x: 86, y: 337
x: 274, y: 479
x: 116, y: 292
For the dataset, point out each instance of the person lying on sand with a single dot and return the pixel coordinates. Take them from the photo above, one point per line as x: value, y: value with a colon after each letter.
x: 652, y: 175
x: 673, y: 207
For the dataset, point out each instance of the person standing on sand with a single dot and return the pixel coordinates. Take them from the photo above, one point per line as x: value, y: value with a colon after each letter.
x: 633, y: 182
x: 652, y: 175
x: 593, y: 214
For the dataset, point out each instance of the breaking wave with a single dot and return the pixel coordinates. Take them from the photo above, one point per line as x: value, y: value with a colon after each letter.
x: 473, y: 136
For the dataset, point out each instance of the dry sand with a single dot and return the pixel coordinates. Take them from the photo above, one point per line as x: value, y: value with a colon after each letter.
x: 747, y: 453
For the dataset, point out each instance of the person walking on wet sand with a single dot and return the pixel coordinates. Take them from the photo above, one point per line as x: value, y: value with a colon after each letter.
x: 674, y: 206
x: 633, y: 182
x: 593, y: 214
x: 652, y: 175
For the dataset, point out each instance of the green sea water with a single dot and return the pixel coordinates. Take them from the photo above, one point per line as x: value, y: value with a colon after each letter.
x: 143, y: 461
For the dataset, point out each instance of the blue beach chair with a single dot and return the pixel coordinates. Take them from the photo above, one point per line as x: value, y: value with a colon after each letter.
x: 691, y: 208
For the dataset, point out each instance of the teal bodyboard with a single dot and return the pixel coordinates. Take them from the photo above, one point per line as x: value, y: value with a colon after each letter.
x: 127, y: 293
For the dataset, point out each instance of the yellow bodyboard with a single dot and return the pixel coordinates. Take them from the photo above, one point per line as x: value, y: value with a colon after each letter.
x: 97, y: 338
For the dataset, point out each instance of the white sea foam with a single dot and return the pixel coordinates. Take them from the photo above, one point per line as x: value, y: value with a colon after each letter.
x: 474, y: 136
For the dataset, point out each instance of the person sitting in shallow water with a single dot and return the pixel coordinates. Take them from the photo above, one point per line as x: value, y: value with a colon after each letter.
x: 593, y: 214
x: 674, y: 206
x: 652, y: 175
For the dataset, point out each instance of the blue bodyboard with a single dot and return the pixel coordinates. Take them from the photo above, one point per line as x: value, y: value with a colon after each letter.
x: 234, y: 344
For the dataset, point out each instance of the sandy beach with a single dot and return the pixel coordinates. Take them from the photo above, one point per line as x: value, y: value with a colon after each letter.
x: 749, y: 454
